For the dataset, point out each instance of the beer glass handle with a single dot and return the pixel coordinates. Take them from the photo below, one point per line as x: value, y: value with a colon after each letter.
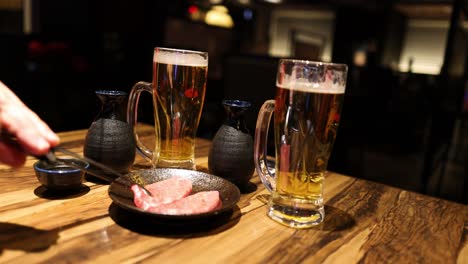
x: 266, y: 172
x: 132, y: 116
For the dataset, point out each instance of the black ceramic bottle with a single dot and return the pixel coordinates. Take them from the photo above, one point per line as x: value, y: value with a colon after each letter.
x: 109, y: 139
x: 231, y: 155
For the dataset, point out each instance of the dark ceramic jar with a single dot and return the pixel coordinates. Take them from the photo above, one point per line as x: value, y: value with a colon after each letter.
x: 231, y: 155
x: 109, y: 139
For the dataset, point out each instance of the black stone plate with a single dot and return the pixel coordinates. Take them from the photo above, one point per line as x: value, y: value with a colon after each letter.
x: 122, y: 195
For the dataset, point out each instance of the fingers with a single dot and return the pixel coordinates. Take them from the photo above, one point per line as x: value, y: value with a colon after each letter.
x: 31, y: 132
x: 11, y: 155
x: 33, y: 135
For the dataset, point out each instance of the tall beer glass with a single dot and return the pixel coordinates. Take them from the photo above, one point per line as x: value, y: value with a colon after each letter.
x: 178, y: 91
x: 307, y: 106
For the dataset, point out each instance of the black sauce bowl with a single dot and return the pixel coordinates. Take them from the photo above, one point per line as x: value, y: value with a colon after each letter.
x: 60, y: 177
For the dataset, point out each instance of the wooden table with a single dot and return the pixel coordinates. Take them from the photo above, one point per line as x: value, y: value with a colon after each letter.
x: 365, y: 221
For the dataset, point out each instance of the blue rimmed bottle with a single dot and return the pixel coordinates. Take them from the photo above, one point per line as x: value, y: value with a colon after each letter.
x: 231, y: 155
x: 109, y: 139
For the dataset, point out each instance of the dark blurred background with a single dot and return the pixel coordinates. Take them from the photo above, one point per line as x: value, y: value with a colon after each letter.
x: 404, y: 121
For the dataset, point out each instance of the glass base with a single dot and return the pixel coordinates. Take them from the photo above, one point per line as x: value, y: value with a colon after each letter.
x: 296, y: 213
x: 177, y: 164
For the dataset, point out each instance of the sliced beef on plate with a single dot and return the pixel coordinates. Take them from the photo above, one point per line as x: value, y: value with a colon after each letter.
x: 166, y: 191
x: 201, y: 202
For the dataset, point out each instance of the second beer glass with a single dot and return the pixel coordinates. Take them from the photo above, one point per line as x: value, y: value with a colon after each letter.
x: 178, y: 90
x: 307, y: 107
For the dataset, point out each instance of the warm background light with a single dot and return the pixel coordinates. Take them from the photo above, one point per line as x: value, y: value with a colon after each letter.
x: 219, y: 16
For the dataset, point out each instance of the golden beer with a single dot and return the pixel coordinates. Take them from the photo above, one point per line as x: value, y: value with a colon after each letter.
x: 307, y: 107
x: 179, y: 89
x: 305, y: 126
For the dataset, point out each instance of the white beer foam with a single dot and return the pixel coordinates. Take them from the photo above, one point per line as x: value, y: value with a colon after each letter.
x: 328, y: 86
x: 179, y: 58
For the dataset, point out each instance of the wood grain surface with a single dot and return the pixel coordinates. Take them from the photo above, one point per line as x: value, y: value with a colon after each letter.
x: 365, y: 222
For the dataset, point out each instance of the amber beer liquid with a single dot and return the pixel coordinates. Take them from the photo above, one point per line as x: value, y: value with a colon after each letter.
x: 306, y: 110
x: 179, y: 85
x: 306, y: 122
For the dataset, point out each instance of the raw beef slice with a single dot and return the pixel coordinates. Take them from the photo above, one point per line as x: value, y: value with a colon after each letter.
x: 201, y: 202
x: 166, y: 191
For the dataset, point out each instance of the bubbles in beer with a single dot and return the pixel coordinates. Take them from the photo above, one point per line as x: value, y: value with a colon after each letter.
x: 180, y: 58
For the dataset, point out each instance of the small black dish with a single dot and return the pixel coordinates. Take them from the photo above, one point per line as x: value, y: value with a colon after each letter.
x: 60, y: 177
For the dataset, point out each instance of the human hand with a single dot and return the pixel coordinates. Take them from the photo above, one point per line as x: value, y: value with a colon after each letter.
x: 32, y: 134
